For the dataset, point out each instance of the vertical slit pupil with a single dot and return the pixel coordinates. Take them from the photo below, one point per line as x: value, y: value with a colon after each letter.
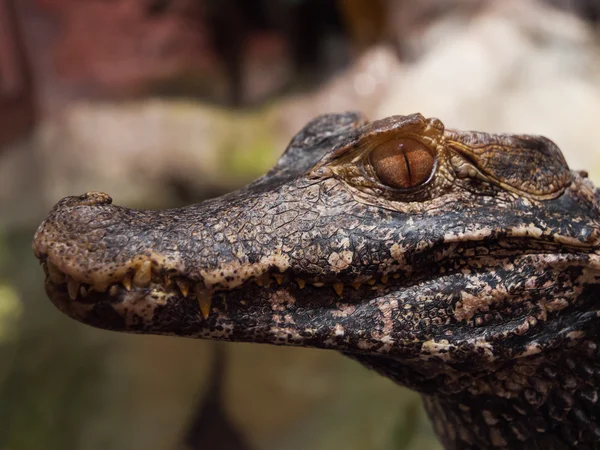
x: 407, y: 162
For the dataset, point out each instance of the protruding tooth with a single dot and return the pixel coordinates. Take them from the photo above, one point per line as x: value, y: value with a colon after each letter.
x: 371, y: 282
x: 73, y: 288
x: 204, y: 300
x: 127, y: 282
x: 339, y: 288
x: 278, y: 277
x: 183, y: 286
x: 301, y: 283
x: 55, y: 274
x: 384, y: 279
x: 143, y: 274
x: 83, y: 291
x: 114, y: 290
x: 356, y: 285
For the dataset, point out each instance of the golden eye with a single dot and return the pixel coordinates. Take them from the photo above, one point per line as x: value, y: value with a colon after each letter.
x: 402, y: 163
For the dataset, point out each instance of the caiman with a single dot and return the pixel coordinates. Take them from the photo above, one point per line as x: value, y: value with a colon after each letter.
x: 463, y: 265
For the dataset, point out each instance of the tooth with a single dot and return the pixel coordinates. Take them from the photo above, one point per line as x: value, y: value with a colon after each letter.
x: 318, y: 284
x: 73, y: 288
x: 127, y: 282
x: 396, y: 276
x: 372, y: 281
x: 278, y: 277
x: 204, y: 300
x: 55, y: 274
x: 83, y: 291
x: 168, y: 281
x: 384, y: 279
x: 114, y: 290
x: 184, y: 287
x: 301, y: 283
x: 339, y: 288
x: 356, y: 285
x: 143, y: 275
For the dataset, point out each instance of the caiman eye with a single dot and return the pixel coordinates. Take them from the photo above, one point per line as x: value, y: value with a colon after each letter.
x: 402, y: 163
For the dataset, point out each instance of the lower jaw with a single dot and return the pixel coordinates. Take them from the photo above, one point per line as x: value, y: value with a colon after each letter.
x: 280, y: 315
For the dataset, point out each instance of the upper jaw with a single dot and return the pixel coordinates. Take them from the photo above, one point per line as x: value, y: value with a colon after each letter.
x: 335, y: 241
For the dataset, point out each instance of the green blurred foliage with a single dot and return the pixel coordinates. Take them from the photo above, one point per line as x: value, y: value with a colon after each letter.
x: 248, y: 153
x: 45, y: 377
x: 47, y: 395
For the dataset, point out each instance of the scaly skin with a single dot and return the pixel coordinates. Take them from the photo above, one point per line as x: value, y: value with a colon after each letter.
x: 478, y: 287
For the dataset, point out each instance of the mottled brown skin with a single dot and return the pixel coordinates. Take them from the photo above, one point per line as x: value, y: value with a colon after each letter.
x: 466, y: 267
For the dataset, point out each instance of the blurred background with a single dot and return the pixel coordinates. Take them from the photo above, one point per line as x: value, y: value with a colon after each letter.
x: 166, y: 102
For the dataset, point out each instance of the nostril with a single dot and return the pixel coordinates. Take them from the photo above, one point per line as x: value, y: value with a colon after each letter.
x: 95, y: 198
x: 87, y: 199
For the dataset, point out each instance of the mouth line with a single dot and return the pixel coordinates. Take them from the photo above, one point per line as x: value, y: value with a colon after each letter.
x: 160, y: 284
x: 151, y: 280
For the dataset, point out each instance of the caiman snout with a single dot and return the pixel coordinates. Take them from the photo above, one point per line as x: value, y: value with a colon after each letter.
x: 95, y: 252
x: 92, y: 250
x: 84, y: 241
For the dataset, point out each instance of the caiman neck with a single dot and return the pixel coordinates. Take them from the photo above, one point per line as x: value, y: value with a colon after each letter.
x: 546, y: 401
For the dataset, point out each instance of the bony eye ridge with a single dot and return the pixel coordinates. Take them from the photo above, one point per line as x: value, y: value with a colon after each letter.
x: 402, y: 163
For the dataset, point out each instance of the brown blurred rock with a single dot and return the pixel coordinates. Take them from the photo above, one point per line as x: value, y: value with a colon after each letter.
x: 225, y: 51
x: 17, y: 110
x: 125, y: 45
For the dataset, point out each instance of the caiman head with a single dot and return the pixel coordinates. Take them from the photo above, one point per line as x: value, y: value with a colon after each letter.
x: 434, y: 256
